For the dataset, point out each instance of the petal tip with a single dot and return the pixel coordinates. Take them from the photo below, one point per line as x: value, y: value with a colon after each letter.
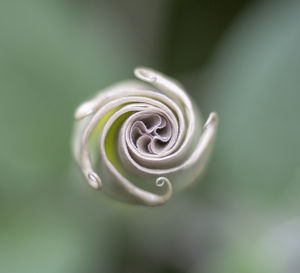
x: 212, y: 120
x: 145, y: 74
x: 94, y: 181
x: 84, y: 110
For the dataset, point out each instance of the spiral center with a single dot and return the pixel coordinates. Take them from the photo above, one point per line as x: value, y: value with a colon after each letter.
x: 151, y: 133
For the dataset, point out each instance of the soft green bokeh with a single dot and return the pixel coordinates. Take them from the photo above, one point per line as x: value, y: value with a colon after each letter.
x: 254, y: 84
x: 242, y: 217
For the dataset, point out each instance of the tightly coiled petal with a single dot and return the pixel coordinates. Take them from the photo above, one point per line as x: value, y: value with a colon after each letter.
x: 134, y: 134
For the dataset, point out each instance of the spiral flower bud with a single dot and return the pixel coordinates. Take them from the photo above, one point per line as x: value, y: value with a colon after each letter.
x: 133, y: 134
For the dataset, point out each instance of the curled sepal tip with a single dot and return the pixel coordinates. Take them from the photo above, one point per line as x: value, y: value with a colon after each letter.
x: 151, y: 199
x: 212, y: 120
x: 132, y: 134
x: 145, y: 74
x: 94, y: 181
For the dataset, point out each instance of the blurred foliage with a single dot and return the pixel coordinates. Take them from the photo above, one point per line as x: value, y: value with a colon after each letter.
x: 192, y: 31
x: 254, y: 84
x: 238, y: 58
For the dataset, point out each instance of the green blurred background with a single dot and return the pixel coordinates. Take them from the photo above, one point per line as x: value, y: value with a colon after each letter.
x: 239, y: 58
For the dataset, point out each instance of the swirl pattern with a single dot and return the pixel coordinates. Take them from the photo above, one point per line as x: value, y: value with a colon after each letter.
x: 134, y: 133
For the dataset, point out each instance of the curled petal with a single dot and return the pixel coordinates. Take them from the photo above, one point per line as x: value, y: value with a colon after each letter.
x: 134, y: 134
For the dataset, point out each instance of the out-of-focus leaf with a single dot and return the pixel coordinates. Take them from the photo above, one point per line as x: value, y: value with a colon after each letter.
x: 50, y: 62
x: 254, y: 85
